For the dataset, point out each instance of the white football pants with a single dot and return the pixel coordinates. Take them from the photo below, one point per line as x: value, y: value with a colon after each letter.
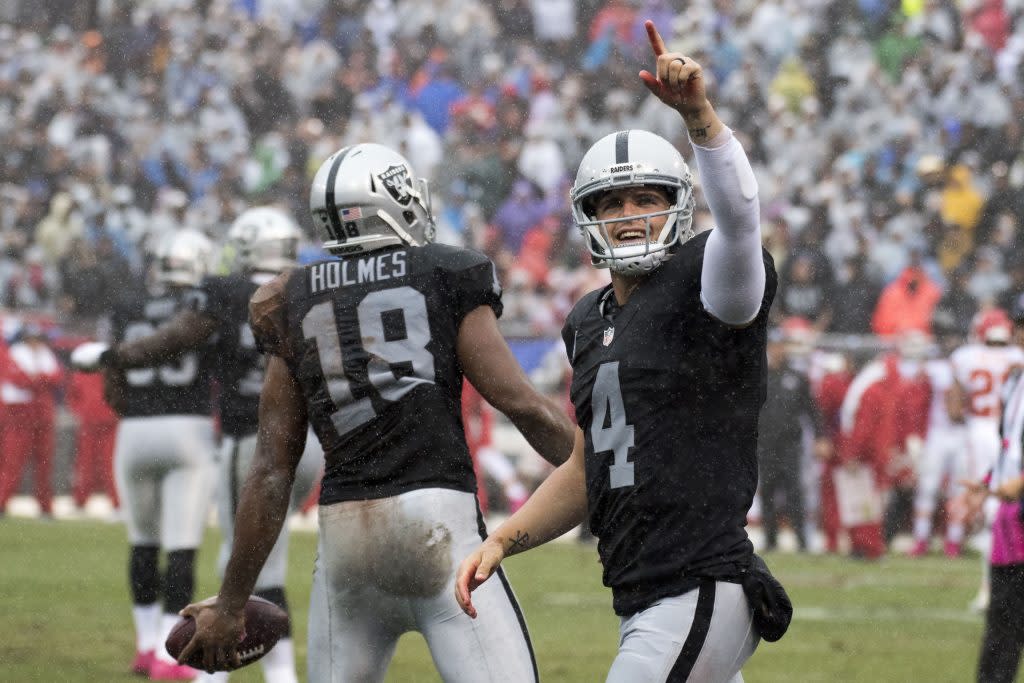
x: 387, y: 566
x: 704, y: 636
x: 164, y: 468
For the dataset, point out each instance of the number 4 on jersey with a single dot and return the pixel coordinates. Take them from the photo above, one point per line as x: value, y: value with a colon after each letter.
x: 606, y: 399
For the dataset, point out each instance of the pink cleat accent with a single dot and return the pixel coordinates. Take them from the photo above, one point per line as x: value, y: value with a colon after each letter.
x: 951, y: 549
x: 920, y: 548
x: 171, y: 671
x: 143, y: 661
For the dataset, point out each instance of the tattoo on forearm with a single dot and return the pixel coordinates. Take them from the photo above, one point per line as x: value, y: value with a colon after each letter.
x: 520, y: 542
x: 698, y: 133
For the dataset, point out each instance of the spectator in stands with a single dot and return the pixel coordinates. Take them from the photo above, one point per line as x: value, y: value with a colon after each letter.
x: 957, y: 307
x: 857, y: 292
x: 907, y: 302
x: 804, y: 292
x: 988, y: 280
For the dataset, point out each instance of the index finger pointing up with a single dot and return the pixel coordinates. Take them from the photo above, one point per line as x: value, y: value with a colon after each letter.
x: 657, y: 44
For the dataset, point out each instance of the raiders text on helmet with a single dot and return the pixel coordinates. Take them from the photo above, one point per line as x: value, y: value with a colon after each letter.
x: 265, y: 239
x: 183, y: 258
x: 366, y: 197
x: 632, y: 158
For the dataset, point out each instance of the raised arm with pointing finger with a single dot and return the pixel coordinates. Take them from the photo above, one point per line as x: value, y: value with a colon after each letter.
x: 668, y: 379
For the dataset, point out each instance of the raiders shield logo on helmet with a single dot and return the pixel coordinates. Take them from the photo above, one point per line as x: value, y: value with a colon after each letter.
x: 396, y: 179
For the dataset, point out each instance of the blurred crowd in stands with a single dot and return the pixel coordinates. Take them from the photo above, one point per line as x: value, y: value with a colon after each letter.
x: 887, y: 138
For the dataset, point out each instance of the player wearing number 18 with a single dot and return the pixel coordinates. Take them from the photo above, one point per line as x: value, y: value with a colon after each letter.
x: 370, y: 349
x: 669, y: 374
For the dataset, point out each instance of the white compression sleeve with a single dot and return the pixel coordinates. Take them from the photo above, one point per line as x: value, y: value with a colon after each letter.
x: 733, y: 277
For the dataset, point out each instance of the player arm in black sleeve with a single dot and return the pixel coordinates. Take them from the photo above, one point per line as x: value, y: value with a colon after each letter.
x: 488, y: 363
x: 184, y: 332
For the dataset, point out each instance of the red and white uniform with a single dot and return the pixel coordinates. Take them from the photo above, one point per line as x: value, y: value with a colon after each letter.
x: 829, y: 393
x: 981, y: 370
x: 27, y: 385
x: 884, y: 407
x: 97, y: 428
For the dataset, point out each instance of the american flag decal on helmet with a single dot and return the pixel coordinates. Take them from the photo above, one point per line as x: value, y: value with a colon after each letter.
x: 351, y: 214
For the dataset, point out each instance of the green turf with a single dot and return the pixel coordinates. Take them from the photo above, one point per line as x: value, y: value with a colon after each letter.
x: 66, y: 613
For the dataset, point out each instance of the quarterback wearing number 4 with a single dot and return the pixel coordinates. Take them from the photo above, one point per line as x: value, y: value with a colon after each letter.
x: 668, y: 378
x: 371, y: 349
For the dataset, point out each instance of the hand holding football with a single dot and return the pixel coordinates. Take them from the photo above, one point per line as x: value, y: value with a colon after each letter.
x: 265, y: 624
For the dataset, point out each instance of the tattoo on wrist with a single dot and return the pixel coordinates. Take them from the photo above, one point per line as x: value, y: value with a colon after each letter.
x: 520, y: 542
x: 699, y: 133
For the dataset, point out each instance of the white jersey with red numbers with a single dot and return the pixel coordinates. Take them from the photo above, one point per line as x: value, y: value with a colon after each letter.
x: 981, y: 370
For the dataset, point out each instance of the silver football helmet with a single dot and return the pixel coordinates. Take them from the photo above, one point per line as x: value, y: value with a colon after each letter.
x: 625, y: 159
x: 366, y: 197
x: 182, y: 258
x: 265, y: 239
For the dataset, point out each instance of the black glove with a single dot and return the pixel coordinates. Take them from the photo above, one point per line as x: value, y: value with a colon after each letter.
x: 772, y: 607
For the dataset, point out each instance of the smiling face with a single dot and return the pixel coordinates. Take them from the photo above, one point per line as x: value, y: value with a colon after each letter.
x: 624, y: 202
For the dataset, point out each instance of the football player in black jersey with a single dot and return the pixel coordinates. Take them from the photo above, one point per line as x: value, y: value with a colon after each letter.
x: 262, y: 242
x: 668, y: 378
x: 164, y: 460
x: 371, y: 350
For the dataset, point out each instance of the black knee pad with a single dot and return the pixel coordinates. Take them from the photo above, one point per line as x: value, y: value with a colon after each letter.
x: 276, y: 595
x: 144, y: 574
x: 179, y: 580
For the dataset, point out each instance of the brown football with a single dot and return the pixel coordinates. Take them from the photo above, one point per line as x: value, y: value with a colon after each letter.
x: 265, y: 624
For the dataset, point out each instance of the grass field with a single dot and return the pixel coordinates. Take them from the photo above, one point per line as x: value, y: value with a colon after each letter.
x: 66, y: 612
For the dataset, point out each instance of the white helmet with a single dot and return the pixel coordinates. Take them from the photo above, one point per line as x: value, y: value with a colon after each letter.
x: 366, y: 197
x: 265, y: 239
x: 625, y: 159
x: 183, y: 258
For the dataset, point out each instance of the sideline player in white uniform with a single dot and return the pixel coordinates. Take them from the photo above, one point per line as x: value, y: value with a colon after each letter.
x: 164, y: 460
x: 944, y: 459
x: 980, y: 369
x: 265, y: 241
x: 370, y: 349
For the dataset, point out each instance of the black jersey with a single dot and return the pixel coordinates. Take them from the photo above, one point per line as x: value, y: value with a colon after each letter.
x: 179, y: 387
x: 240, y: 366
x: 371, y: 340
x: 668, y: 399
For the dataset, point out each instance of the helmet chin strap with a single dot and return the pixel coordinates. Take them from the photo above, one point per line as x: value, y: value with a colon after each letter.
x: 399, y: 230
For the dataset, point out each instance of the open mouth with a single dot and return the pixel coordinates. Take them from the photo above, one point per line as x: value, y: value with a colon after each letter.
x: 630, y: 236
